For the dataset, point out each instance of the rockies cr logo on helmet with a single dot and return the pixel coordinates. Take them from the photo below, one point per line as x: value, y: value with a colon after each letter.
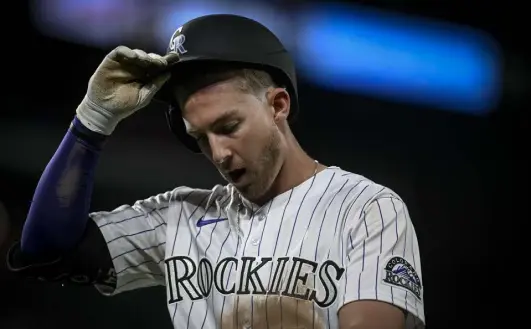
x: 177, y: 42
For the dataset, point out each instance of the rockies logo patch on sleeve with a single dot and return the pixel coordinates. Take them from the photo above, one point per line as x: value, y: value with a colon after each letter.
x: 398, y: 272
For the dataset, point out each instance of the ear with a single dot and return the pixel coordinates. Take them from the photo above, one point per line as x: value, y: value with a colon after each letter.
x: 279, y: 101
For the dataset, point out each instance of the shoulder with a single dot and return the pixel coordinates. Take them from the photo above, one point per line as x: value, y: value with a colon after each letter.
x: 184, y: 196
x: 361, y: 191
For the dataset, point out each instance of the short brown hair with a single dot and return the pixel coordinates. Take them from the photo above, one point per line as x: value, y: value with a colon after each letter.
x: 248, y: 80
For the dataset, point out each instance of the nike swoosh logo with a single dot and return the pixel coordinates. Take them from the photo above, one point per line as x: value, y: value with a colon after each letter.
x: 202, y: 222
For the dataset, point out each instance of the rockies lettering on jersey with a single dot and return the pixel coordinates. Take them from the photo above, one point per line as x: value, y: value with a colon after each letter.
x: 293, y: 262
x: 197, y: 281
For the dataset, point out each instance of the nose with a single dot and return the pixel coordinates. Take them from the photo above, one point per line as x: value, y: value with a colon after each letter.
x: 219, y: 150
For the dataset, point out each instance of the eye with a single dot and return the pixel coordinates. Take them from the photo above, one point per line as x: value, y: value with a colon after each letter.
x: 198, y: 137
x: 228, y: 128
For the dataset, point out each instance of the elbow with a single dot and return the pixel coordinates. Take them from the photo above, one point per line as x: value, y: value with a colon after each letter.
x: 45, y: 235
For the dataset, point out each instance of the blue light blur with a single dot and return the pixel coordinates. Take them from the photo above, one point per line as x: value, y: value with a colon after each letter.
x: 398, y: 58
x: 345, y: 48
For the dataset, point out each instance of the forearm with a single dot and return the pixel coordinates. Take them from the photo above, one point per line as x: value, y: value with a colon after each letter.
x: 60, y: 206
x: 59, y: 212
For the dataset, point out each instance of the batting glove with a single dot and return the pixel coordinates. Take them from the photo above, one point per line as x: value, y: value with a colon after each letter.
x: 123, y: 83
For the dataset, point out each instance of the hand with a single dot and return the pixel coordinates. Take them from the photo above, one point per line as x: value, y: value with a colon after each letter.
x: 124, y: 82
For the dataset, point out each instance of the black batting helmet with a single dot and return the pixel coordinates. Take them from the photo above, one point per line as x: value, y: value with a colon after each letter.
x: 226, y: 39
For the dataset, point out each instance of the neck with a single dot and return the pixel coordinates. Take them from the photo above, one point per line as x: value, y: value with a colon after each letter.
x: 298, y: 167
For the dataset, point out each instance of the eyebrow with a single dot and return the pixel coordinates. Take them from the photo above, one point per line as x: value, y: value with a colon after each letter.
x: 225, y: 116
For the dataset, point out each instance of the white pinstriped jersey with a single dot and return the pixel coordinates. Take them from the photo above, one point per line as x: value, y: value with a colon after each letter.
x: 292, y: 263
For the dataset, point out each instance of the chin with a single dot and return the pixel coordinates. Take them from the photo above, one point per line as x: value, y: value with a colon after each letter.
x: 248, y: 192
x: 256, y: 193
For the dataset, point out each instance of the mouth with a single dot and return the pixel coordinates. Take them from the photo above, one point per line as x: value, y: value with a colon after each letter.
x: 236, y: 175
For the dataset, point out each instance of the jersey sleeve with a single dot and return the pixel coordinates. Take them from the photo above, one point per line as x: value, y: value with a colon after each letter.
x: 136, y: 238
x: 382, y: 259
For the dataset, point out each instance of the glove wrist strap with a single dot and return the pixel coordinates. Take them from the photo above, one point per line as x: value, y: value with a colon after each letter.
x: 96, y: 118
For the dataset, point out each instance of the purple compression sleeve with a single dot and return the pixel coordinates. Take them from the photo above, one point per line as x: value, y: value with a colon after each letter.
x: 60, y: 206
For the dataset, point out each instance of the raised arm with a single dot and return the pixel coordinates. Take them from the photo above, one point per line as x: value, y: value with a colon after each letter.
x: 58, y: 218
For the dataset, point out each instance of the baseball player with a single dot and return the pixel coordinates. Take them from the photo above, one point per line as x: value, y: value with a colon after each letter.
x: 288, y: 242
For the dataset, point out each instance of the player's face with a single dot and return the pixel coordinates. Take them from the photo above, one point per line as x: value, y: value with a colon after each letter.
x: 238, y: 132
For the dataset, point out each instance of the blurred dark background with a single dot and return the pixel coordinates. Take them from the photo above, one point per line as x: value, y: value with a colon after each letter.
x: 461, y: 169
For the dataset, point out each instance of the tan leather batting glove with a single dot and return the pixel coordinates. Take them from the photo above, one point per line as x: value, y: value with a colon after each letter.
x: 123, y: 83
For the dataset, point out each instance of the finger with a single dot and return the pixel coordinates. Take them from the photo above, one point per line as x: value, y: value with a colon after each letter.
x: 148, y: 61
x: 138, y: 58
x: 171, y: 58
x: 158, y: 59
x: 122, y: 54
x: 149, y: 90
